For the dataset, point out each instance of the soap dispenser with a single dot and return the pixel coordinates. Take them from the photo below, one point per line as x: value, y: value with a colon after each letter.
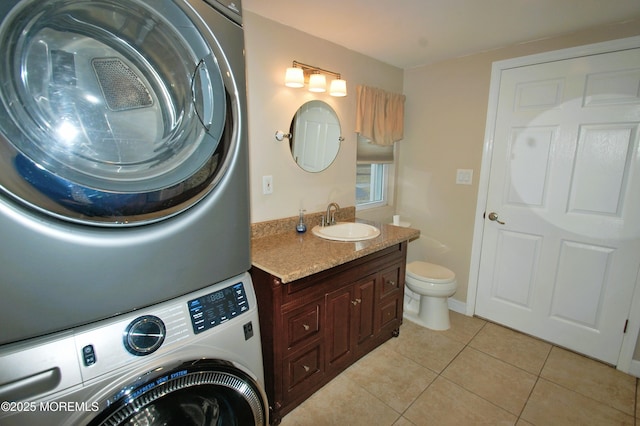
x: 301, y: 227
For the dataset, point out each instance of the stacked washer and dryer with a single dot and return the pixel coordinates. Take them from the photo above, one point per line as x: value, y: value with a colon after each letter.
x: 124, y: 216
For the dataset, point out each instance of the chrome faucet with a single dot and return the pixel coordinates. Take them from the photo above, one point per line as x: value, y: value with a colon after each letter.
x: 331, y: 217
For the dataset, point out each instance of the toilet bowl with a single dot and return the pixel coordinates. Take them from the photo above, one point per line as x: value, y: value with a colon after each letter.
x: 432, y: 285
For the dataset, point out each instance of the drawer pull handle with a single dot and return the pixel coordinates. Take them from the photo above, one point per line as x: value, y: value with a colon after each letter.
x: 306, y: 327
x: 391, y: 283
x: 306, y: 368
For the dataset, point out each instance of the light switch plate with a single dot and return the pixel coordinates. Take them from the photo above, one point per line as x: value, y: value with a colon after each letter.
x: 267, y: 185
x: 464, y: 176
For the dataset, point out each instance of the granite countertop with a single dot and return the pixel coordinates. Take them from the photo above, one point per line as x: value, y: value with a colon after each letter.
x: 291, y: 256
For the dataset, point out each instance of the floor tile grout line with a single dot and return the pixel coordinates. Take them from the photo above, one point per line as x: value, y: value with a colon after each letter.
x: 635, y: 405
x: 437, y: 373
x: 548, y: 379
x: 538, y: 376
x: 440, y: 374
x: 468, y: 345
x: 379, y: 400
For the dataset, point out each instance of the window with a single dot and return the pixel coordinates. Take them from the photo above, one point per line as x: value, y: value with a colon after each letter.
x: 371, y: 185
x: 372, y: 174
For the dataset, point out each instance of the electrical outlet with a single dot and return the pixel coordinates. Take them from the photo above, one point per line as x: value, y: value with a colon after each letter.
x: 267, y: 185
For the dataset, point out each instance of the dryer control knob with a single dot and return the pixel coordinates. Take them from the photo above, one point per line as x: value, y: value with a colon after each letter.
x: 144, y: 335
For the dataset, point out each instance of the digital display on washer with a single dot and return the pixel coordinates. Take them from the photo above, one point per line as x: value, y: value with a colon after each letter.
x: 218, y: 307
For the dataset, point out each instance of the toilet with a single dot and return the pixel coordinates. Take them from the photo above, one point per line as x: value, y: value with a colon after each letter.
x: 432, y: 285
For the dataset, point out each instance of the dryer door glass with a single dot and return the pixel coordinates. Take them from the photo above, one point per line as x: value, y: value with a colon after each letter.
x: 110, y: 109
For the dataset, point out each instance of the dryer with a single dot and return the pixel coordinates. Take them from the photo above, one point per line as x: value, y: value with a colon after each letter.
x: 123, y: 157
x: 194, y: 360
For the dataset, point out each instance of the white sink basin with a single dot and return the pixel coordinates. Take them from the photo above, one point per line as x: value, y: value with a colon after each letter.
x: 346, y: 231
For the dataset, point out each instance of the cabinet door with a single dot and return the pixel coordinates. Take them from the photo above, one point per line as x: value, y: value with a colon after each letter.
x: 364, y: 315
x: 339, y: 326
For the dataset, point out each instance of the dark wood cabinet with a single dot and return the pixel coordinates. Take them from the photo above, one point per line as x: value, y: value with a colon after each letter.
x: 315, y: 327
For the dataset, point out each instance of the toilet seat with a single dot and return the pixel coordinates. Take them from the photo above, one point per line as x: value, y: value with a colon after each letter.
x: 430, y: 272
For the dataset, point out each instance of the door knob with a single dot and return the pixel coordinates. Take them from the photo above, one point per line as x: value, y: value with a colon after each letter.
x: 494, y: 217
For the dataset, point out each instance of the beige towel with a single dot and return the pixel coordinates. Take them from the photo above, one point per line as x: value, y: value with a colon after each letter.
x: 379, y: 115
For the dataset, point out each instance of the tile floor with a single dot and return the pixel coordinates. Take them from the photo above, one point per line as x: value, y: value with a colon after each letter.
x: 476, y: 373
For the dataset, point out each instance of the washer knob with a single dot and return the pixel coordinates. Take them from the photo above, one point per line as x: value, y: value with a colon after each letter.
x: 144, y: 335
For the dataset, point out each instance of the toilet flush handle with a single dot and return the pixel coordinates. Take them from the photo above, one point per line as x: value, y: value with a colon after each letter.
x: 494, y: 217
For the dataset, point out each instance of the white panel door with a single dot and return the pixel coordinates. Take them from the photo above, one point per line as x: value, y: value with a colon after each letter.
x: 561, y: 253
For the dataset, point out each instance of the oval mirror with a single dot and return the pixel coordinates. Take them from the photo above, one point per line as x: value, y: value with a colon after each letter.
x: 315, y: 136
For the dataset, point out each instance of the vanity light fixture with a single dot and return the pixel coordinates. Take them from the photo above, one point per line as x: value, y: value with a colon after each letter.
x: 317, y: 83
x: 338, y: 87
x: 294, y: 77
x: 299, y: 74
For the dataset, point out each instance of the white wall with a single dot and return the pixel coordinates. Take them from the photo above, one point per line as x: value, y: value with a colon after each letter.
x: 445, y: 122
x: 270, y: 49
x: 445, y: 116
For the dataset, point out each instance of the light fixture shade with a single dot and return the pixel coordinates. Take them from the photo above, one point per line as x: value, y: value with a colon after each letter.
x: 338, y: 87
x: 317, y: 83
x: 294, y: 77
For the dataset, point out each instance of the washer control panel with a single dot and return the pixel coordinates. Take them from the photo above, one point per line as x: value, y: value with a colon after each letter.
x: 218, y: 307
x: 168, y: 327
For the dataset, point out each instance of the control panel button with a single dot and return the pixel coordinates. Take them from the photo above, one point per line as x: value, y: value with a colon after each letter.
x: 88, y: 355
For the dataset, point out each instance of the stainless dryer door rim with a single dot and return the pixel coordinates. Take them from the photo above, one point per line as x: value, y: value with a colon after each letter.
x: 113, y: 112
x: 203, y: 391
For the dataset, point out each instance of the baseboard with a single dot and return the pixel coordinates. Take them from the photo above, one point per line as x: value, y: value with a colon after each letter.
x: 634, y: 368
x: 457, y: 306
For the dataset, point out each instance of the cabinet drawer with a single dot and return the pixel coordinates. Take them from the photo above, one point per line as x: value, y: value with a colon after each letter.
x: 390, y: 310
x: 305, y: 368
x: 391, y: 280
x: 303, y: 323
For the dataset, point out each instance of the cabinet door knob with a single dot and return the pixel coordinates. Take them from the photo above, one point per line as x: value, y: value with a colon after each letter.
x: 306, y: 368
x: 355, y: 302
x: 391, y: 283
x: 306, y: 327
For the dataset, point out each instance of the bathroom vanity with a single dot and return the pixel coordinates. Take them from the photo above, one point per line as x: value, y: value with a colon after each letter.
x: 323, y: 305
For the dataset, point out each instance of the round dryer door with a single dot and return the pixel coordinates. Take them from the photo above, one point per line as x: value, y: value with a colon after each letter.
x: 111, y: 111
x: 204, y: 392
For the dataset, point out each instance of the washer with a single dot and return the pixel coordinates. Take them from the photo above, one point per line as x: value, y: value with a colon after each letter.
x: 193, y: 360
x: 123, y: 157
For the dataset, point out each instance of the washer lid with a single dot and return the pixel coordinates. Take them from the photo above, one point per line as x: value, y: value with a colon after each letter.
x: 426, y: 271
